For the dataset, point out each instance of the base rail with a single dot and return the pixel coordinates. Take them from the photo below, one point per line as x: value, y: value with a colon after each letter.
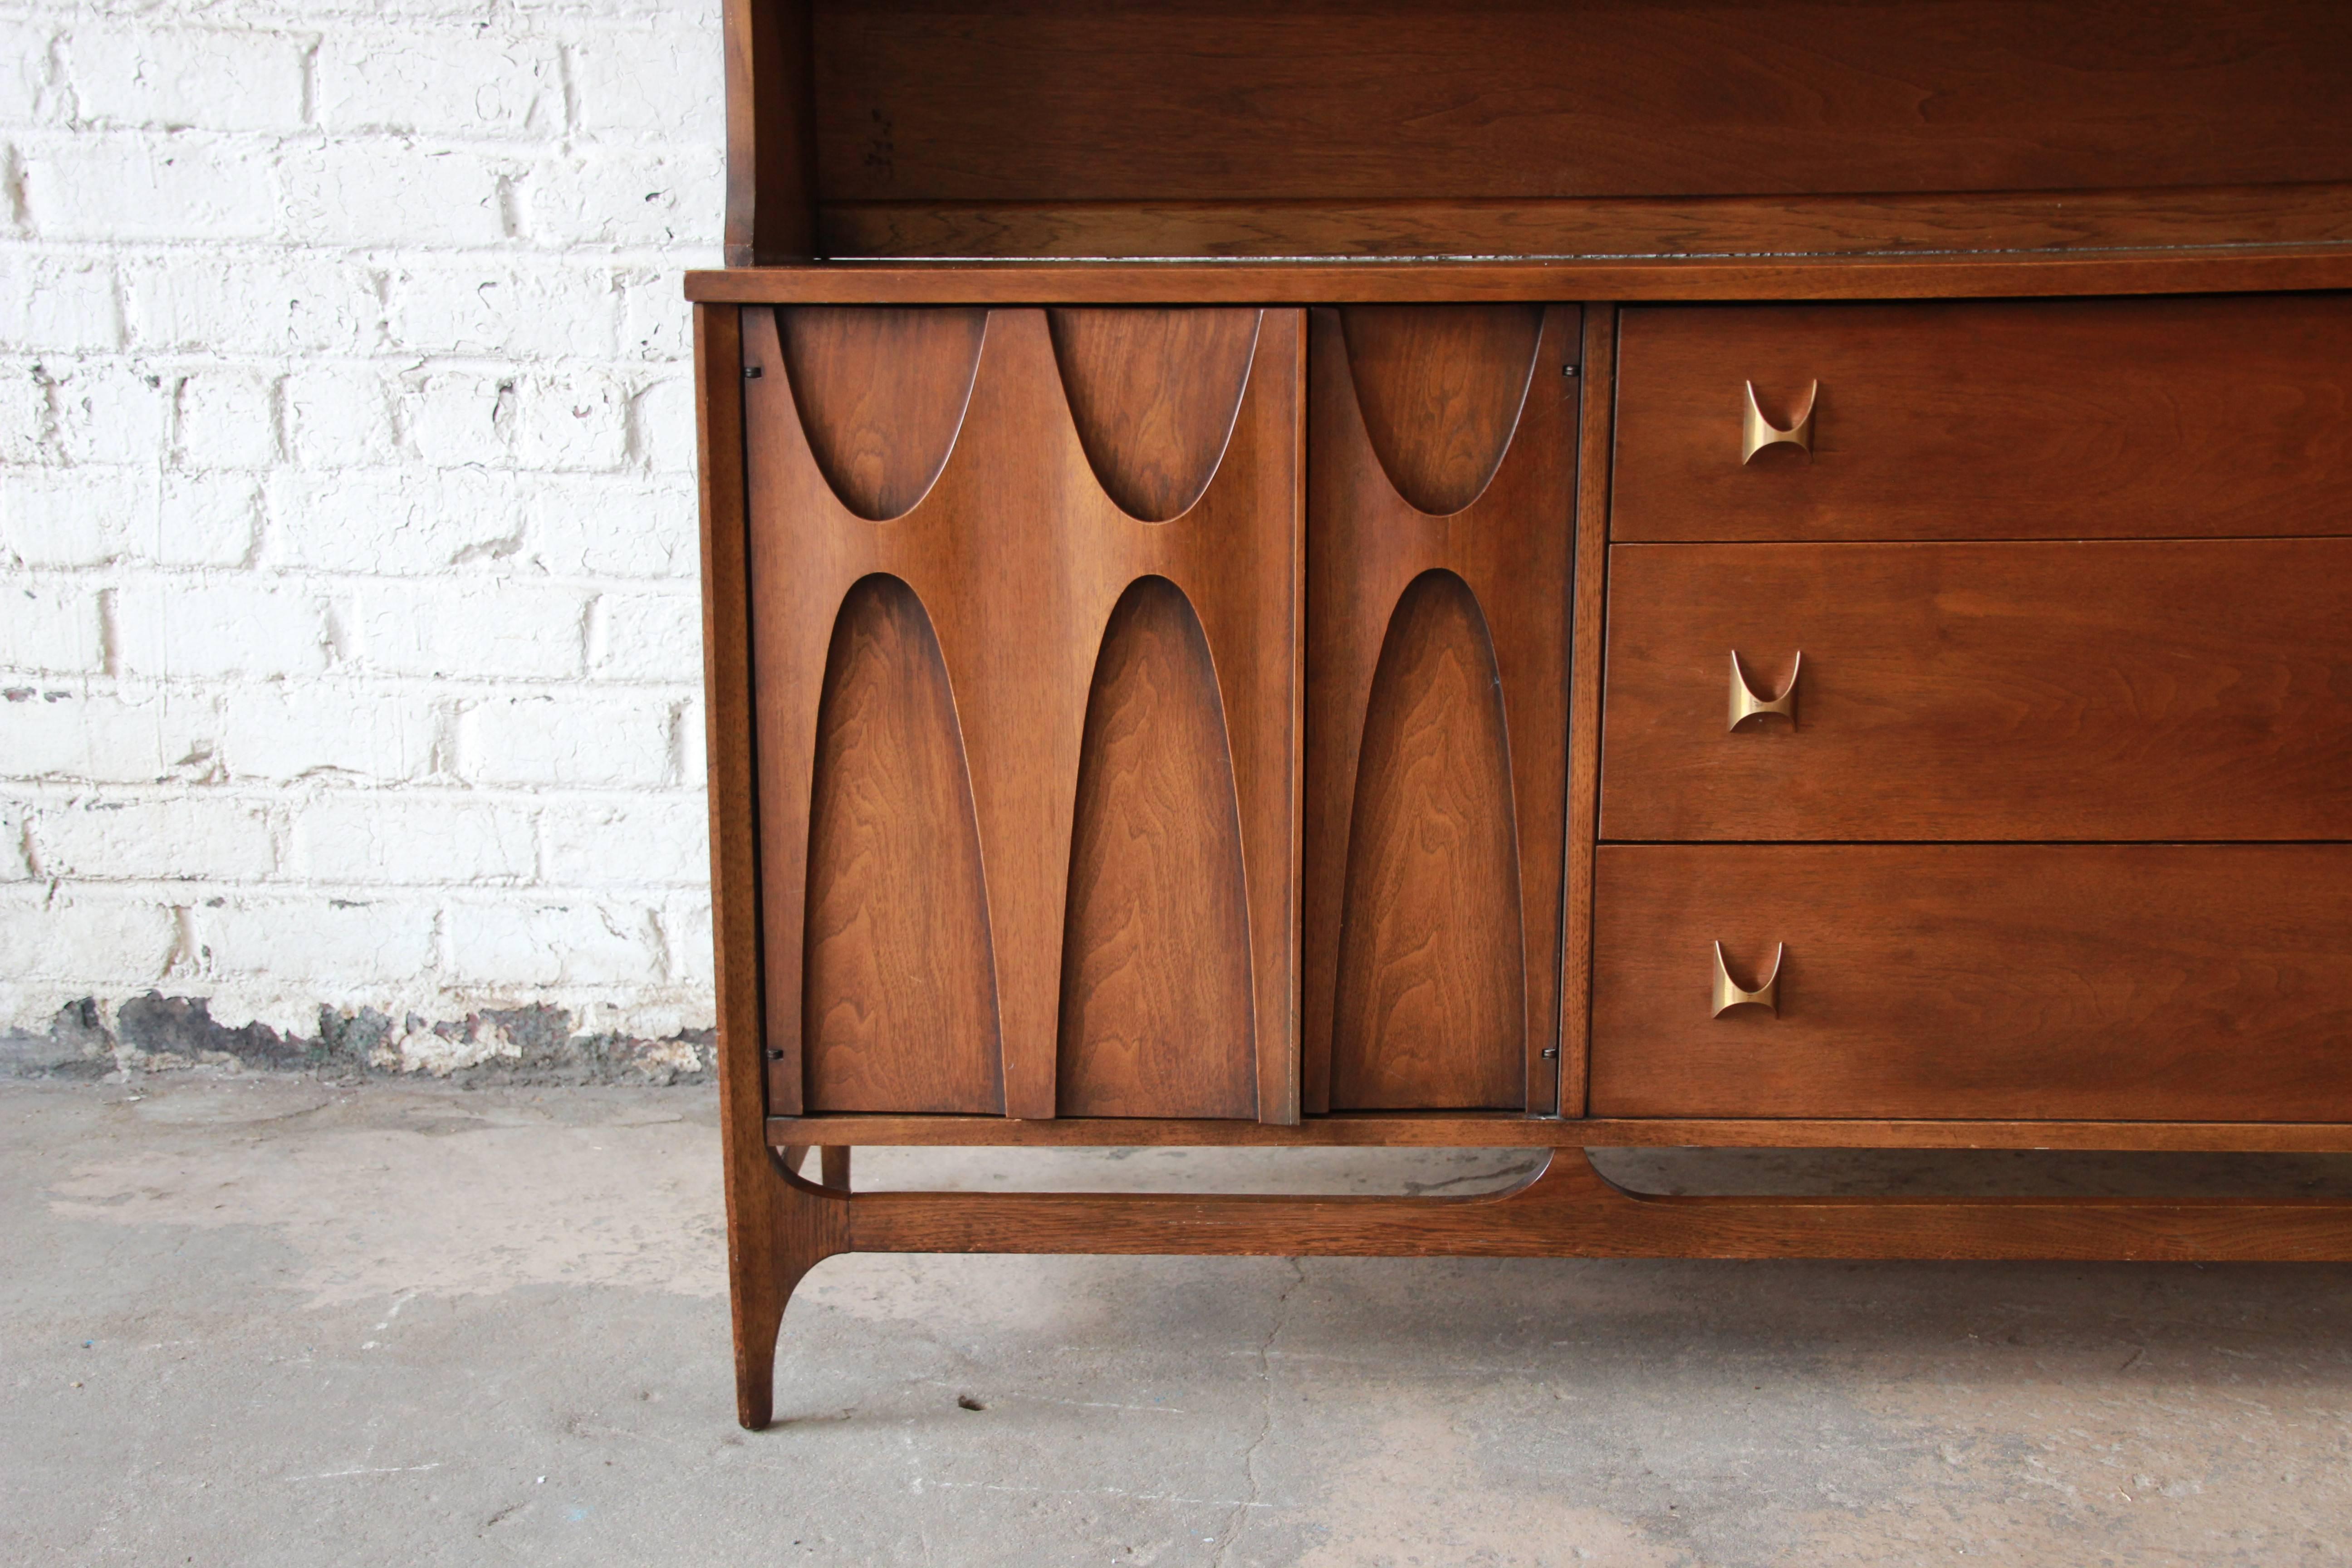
x: 1566, y: 1208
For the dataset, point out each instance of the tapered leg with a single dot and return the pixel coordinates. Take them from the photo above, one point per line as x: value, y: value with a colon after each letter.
x: 781, y: 1227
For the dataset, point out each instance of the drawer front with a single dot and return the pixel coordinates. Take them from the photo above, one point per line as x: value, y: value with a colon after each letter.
x: 2198, y: 690
x: 2160, y: 983
x: 2036, y: 420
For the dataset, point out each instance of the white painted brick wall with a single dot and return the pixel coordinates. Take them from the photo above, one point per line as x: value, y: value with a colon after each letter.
x: 349, y: 636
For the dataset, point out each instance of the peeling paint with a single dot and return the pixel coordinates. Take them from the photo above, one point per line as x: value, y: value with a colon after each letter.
x: 535, y: 1044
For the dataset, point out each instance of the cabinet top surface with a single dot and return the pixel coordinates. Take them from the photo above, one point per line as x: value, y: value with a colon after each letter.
x: 2238, y: 269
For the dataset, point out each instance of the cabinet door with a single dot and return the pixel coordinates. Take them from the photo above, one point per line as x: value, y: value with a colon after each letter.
x: 1025, y: 601
x: 1442, y: 448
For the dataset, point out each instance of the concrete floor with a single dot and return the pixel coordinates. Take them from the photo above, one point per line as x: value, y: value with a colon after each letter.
x: 263, y: 1320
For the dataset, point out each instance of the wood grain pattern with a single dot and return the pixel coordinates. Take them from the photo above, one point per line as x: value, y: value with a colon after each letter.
x: 771, y: 65
x: 1839, y: 226
x: 1431, y: 1006
x: 881, y: 395
x: 1018, y: 556
x: 2089, y: 418
x: 899, y: 993
x: 771, y: 1241
x: 1156, y: 1007
x: 1154, y: 393
x: 1510, y: 548
x: 1440, y: 393
x: 2158, y: 981
x: 2222, y: 270
x: 1510, y: 1130
x: 1063, y: 100
x: 2189, y: 688
x: 1596, y: 436
x: 1568, y: 1209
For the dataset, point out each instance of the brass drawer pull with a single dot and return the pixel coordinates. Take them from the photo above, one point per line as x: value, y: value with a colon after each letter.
x: 1756, y: 432
x: 1729, y: 994
x: 1747, y: 705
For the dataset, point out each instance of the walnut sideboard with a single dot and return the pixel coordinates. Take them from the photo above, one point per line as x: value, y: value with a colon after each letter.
x: 1642, y: 573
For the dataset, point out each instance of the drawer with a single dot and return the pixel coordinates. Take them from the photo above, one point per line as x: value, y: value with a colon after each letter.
x: 2032, y: 420
x: 2194, y: 688
x: 2165, y: 982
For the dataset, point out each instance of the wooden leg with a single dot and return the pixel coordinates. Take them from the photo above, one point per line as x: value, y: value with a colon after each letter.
x: 784, y: 1225
x: 779, y: 1228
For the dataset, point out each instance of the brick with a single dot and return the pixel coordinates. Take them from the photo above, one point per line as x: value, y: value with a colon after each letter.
x: 59, y: 304
x: 650, y: 84
x: 111, y: 411
x: 578, y: 420
x: 393, y: 521
x: 661, y: 417
x: 391, y: 190
x: 522, y: 311
x: 219, y: 630
x: 26, y: 428
x: 414, y: 838
x: 170, y: 77
x: 203, y: 520
x: 72, y: 517
x: 614, y: 527
x: 486, y: 631
x: 312, y: 385
x: 50, y: 629
x: 76, y: 934
x: 333, y: 942
x: 662, y: 840
x: 225, y: 419
x: 329, y: 729
x: 81, y: 737
x: 544, y: 12
x: 454, y: 418
x: 693, y: 957
x: 123, y: 185
x: 442, y: 80
x: 28, y: 74
x: 254, y: 304
x: 339, y: 417
x: 14, y: 865
x: 657, y: 324
x: 578, y: 738
x: 693, y: 748
x: 625, y: 199
x: 651, y: 637
x: 540, y: 943
x: 189, y: 837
